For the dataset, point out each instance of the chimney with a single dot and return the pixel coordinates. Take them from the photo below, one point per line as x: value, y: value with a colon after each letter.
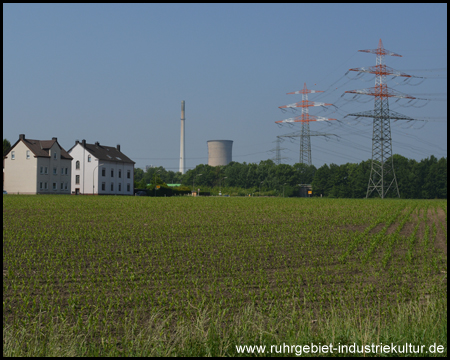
x: 118, y: 147
x: 182, y: 159
x: 53, y: 138
x: 97, y: 143
x: 77, y: 142
x: 22, y: 137
x: 83, y: 142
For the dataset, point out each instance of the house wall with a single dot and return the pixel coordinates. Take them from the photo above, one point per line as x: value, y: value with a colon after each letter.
x: 85, y: 172
x: 51, y: 178
x: 115, y: 180
x: 20, y: 173
x: 91, y: 178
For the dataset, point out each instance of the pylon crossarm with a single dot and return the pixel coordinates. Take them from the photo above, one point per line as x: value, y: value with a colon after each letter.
x: 381, y: 91
x: 305, y: 91
x: 303, y: 118
x: 393, y: 115
x: 382, y: 70
x: 304, y: 103
x: 380, y: 51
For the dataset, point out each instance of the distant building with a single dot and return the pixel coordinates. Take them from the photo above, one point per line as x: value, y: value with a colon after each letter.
x: 219, y: 152
x: 37, y: 167
x: 101, y: 170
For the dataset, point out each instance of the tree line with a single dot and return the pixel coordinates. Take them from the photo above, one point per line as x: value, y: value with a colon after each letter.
x: 425, y: 179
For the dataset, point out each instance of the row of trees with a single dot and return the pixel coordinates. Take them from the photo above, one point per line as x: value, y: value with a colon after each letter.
x: 426, y: 179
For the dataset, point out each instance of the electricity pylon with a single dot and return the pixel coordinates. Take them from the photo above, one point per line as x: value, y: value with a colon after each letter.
x: 382, y: 160
x: 301, y: 136
x: 277, y: 159
x: 305, y: 119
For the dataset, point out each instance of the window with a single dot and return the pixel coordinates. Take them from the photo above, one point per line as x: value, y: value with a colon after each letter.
x: 120, y: 173
x: 77, y: 179
x: 62, y: 186
x: 46, y: 170
x: 41, y: 185
x: 62, y: 171
x: 66, y: 171
x: 65, y: 186
x: 112, y: 172
x: 46, y: 185
x: 103, y: 172
x: 89, y: 158
x: 13, y: 155
x: 120, y: 186
x: 28, y: 154
x: 54, y: 186
x: 103, y: 186
x: 128, y: 187
x: 128, y: 174
x: 41, y: 170
x: 55, y: 171
x: 112, y: 186
x: 77, y: 165
x: 54, y: 155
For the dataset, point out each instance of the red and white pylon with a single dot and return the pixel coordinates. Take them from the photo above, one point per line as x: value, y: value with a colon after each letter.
x: 304, y: 119
x: 382, y: 175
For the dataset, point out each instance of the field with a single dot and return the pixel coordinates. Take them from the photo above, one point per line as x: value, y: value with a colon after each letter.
x: 197, y: 276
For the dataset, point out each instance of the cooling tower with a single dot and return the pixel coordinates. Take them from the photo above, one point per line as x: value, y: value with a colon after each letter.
x: 219, y: 152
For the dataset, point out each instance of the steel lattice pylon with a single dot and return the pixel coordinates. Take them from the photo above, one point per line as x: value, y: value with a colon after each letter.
x: 305, y: 119
x: 301, y: 135
x: 382, y: 160
x: 277, y: 159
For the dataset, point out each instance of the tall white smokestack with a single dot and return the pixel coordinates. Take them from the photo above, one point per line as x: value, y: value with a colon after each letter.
x: 182, y: 159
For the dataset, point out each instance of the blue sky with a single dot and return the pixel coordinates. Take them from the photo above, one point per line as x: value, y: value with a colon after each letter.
x: 116, y: 73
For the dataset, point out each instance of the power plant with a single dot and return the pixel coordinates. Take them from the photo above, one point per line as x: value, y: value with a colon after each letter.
x: 182, y: 158
x: 219, y: 152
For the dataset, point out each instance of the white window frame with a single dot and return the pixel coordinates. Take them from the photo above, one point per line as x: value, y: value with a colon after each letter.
x: 13, y: 155
x: 41, y: 170
x: 55, y: 171
x: 41, y: 185
x: 62, y: 171
x: 28, y: 154
x: 66, y: 185
x: 77, y: 165
x: 46, y: 185
x: 55, y: 186
x: 77, y: 179
x: 62, y: 186
x: 46, y: 170
x: 89, y: 158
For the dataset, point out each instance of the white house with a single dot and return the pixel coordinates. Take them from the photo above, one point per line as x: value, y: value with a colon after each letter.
x: 37, y: 167
x: 101, y: 170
